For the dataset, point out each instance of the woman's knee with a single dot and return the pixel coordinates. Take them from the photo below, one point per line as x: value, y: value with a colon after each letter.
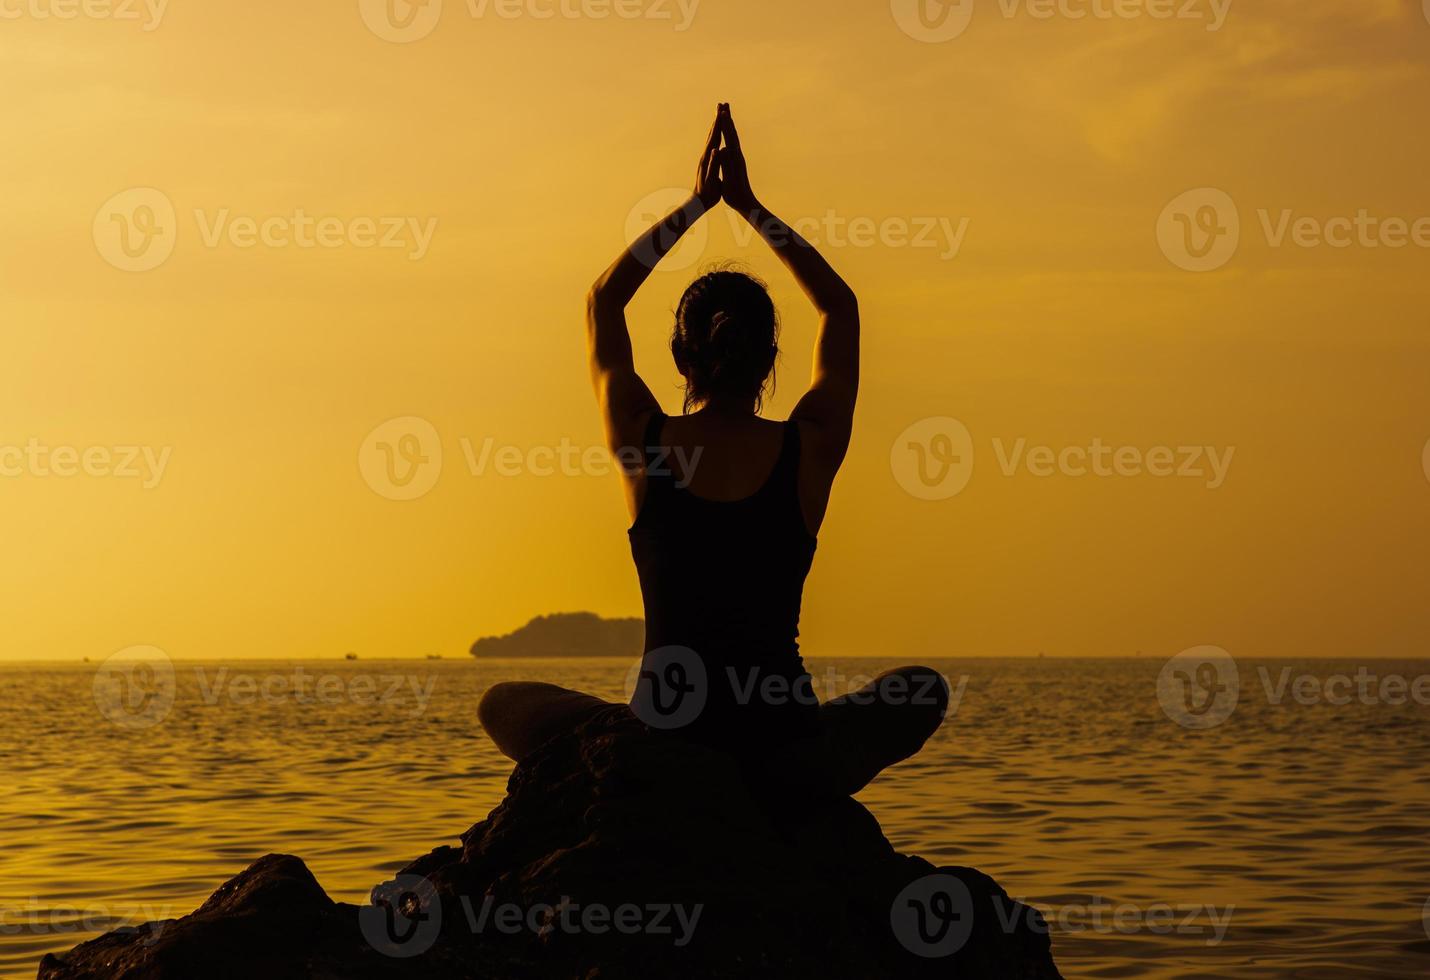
x: 501, y: 701
x: 923, y: 691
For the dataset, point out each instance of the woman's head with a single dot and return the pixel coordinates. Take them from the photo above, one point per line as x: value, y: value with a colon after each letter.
x: 726, y: 338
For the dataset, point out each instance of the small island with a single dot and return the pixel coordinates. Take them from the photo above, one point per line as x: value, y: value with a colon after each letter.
x: 576, y: 634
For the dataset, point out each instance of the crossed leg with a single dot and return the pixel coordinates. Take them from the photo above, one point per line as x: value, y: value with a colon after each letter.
x: 521, y: 716
x: 861, y: 734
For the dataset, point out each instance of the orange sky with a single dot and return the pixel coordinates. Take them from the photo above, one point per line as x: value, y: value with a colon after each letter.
x: 995, y: 198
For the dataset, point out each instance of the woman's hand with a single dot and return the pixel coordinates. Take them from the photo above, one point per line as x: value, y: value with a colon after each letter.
x: 708, y: 185
x: 734, y: 174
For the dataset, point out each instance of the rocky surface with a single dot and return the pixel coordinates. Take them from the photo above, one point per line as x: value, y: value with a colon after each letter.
x: 617, y: 853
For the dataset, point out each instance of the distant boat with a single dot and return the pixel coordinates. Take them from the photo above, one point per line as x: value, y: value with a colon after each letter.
x: 350, y: 656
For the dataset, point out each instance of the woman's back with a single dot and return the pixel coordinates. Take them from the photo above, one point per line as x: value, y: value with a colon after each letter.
x: 722, y: 551
x: 722, y: 560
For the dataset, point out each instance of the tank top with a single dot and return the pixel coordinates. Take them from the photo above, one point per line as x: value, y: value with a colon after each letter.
x: 724, y: 580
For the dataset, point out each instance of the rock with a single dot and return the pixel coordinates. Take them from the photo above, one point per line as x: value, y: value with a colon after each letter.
x: 617, y: 853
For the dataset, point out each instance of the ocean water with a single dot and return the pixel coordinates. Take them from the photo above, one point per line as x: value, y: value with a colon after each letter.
x: 1291, y: 839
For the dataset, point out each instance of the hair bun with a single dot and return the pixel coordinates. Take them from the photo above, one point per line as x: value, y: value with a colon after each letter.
x: 725, y: 336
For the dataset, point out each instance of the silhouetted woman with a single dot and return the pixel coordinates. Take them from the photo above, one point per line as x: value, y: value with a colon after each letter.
x: 726, y: 506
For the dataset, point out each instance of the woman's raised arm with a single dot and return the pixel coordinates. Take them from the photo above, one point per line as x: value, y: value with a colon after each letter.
x: 828, y: 406
x: 624, y: 398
